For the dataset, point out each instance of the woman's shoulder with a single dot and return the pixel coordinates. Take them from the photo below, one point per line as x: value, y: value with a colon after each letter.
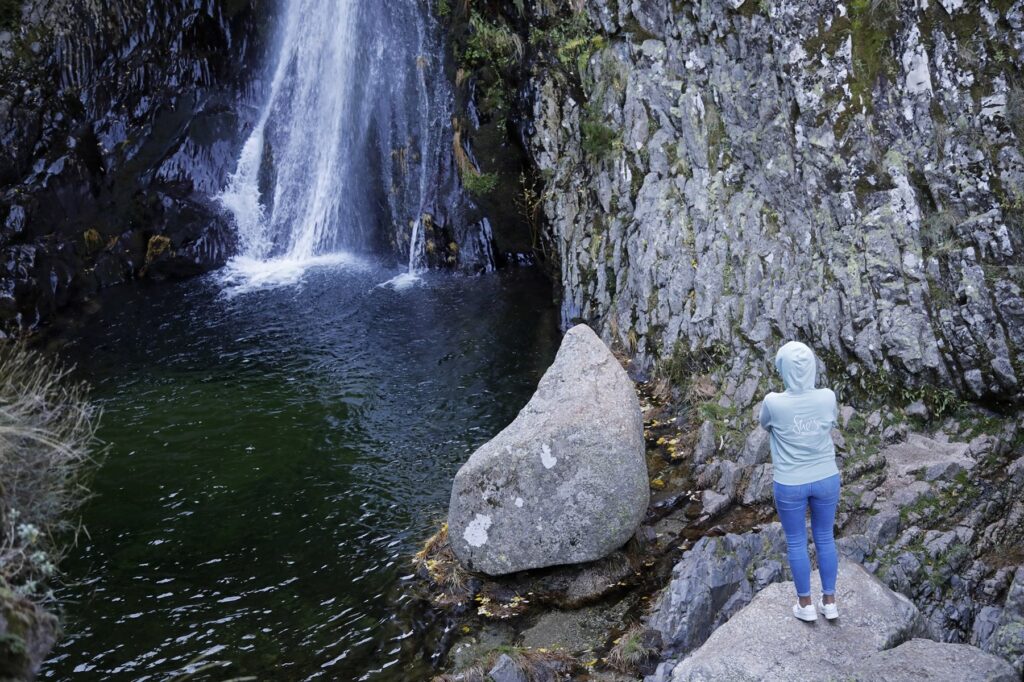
x: 827, y: 399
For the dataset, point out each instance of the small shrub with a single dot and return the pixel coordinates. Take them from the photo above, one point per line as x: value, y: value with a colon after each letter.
x: 598, y: 140
x: 47, y: 439
x: 479, y: 184
x: 535, y: 664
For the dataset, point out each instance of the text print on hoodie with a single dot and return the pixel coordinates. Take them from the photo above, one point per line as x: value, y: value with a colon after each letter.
x: 800, y: 420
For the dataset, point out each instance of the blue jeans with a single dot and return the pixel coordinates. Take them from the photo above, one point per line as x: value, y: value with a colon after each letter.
x: 791, y: 501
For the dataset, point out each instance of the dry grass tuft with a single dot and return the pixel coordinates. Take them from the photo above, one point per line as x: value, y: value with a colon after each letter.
x: 437, y: 562
x: 631, y: 651
x: 47, y: 446
x: 462, y: 160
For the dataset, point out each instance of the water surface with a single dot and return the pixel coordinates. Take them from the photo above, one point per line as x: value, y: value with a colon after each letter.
x: 276, y: 456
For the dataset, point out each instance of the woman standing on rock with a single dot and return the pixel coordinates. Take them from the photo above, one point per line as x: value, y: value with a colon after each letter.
x: 799, y: 422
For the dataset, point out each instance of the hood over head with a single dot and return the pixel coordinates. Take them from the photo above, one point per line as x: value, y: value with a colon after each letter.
x: 796, y: 364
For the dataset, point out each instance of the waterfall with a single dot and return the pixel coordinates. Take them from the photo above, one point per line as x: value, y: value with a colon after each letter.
x: 351, y: 150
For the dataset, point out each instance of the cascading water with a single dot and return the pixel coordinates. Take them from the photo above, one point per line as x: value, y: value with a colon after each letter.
x: 351, y: 150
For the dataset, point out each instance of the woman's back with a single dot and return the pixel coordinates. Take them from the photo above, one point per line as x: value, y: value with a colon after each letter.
x: 800, y: 420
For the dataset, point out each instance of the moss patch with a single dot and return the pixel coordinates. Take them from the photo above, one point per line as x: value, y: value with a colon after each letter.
x: 158, y: 245
x: 872, y: 25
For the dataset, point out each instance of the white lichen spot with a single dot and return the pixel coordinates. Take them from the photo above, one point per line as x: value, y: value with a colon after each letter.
x: 546, y: 458
x: 915, y: 64
x: 519, y: 502
x: 476, y: 532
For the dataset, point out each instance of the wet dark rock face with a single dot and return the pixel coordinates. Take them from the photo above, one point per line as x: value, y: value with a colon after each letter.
x: 118, y: 123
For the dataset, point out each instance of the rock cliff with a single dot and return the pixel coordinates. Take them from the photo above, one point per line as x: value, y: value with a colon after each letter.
x: 118, y: 122
x: 731, y: 174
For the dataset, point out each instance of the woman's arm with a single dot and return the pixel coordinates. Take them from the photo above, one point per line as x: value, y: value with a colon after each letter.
x: 765, y: 416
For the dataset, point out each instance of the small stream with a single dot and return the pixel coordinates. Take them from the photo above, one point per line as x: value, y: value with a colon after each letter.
x: 276, y: 456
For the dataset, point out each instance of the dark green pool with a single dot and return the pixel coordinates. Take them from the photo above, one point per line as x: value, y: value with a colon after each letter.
x: 276, y: 457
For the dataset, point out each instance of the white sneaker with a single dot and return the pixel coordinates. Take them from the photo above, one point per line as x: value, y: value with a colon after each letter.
x: 830, y: 611
x: 806, y: 613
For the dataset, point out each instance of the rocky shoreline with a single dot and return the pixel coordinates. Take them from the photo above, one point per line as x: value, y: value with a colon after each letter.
x: 911, y: 519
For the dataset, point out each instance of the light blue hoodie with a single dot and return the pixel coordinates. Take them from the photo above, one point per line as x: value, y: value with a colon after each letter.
x: 800, y: 420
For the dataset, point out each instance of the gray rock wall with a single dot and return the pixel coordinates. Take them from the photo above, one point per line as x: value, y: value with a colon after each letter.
x: 736, y: 174
x: 118, y: 123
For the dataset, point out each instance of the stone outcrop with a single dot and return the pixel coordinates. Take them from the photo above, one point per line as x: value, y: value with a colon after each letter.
x: 27, y: 633
x: 716, y: 578
x: 765, y: 642
x: 1007, y: 636
x: 566, y: 481
x: 732, y: 174
x: 119, y: 123
x: 924, y: 659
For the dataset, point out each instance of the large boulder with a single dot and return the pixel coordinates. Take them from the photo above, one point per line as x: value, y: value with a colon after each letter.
x: 566, y: 482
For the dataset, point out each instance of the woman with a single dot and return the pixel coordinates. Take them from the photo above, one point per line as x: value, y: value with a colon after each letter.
x: 799, y: 422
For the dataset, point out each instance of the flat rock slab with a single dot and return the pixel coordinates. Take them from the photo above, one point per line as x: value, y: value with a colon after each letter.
x: 763, y: 641
x: 566, y: 482
x: 575, y: 631
x: 923, y: 659
x: 927, y: 456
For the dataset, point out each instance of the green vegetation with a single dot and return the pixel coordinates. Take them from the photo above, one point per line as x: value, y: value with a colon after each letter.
x: 598, y: 140
x: 684, y: 364
x: 571, y: 37
x: 882, y: 386
x: 480, y: 184
x: 718, y: 140
x: 47, y: 437
x: 936, y: 506
x: 937, y: 233
x: 443, y: 8
x: 437, y: 561
x: 574, y: 41
x: 491, y: 44
x: 872, y: 24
